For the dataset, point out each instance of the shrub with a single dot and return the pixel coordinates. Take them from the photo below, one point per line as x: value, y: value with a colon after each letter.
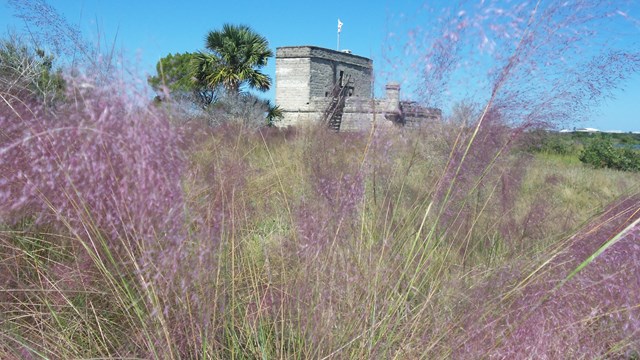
x: 557, y: 144
x: 601, y: 153
x: 244, y: 109
x: 629, y: 159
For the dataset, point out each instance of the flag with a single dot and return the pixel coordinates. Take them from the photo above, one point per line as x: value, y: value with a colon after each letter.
x: 339, y: 25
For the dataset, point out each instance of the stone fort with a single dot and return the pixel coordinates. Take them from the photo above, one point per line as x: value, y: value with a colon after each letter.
x: 336, y: 87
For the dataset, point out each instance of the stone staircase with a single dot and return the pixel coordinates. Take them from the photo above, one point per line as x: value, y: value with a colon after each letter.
x: 333, y: 114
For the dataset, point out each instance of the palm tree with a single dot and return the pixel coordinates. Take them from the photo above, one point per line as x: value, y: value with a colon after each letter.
x: 236, y: 55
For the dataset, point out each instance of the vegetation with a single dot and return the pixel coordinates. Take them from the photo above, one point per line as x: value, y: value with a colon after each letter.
x: 26, y: 71
x: 175, y: 75
x: 270, y: 249
x: 274, y: 114
x: 617, y: 151
x: 214, y: 80
x: 244, y: 108
x: 236, y: 55
x: 601, y: 153
x: 128, y: 232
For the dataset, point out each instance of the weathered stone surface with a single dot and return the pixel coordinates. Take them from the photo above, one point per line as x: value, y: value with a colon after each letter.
x: 307, y: 72
x: 307, y: 75
x: 292, y: 83
x: 323, y: 53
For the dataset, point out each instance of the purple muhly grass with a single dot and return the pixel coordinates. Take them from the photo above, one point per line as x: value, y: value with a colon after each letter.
x: 330, y: 214
x: 594, y: 313
x: 384, y: 147
x: 106, y: 171
x: 100, y: 163
x: 327, y: 221
x: 338, y: 188
x: 217, y: 180
x: 52, y: 28
x: 543, y: 61
x: 481, y: 178
x: 528, y: 64
x: 197, y: 297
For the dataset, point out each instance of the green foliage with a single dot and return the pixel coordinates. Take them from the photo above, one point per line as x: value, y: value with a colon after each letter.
x: 552, y: 143
x: 627, y: 138
x: 27, y: 71
x: 603, y: 150
x: 629, y: 159
x: 558, y: 145
x: 617, y: 139
x: 274, y: 113
x: 234, y: 59
x: 236, y: 54
x: 175, y: 75
x: 601, y: 153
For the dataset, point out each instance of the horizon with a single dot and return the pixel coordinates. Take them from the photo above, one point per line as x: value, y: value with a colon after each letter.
x: 146, y: 31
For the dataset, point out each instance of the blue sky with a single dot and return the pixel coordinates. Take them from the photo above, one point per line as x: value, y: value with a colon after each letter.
x: 144, y: 31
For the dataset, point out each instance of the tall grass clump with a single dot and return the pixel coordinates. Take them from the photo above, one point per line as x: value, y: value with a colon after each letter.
x: 581, y: 302
x: 99, y: 159
x: 102, y: 177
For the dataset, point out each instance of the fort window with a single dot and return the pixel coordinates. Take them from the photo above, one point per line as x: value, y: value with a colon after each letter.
x: 341, y: 78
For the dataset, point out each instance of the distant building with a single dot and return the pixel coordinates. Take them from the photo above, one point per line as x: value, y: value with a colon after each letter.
x: 317, y: 84
x: 587, y: 130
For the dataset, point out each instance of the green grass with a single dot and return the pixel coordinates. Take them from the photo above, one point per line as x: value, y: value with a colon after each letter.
x: 574, y: 188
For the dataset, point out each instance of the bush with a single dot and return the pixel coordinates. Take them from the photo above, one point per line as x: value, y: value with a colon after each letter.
x: 601, y: 153
x: 560, y: 145
x: 629, y: 159
x: 546, y: 142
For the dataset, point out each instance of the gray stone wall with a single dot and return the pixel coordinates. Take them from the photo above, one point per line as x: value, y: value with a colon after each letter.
x: 306, y: 75
x: 361, y: 114
x: 322, y: 53
x: 325, y: 74
x: 292, y: 83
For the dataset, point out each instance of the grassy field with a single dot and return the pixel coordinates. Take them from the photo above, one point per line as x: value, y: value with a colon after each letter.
x: 189, y: 241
